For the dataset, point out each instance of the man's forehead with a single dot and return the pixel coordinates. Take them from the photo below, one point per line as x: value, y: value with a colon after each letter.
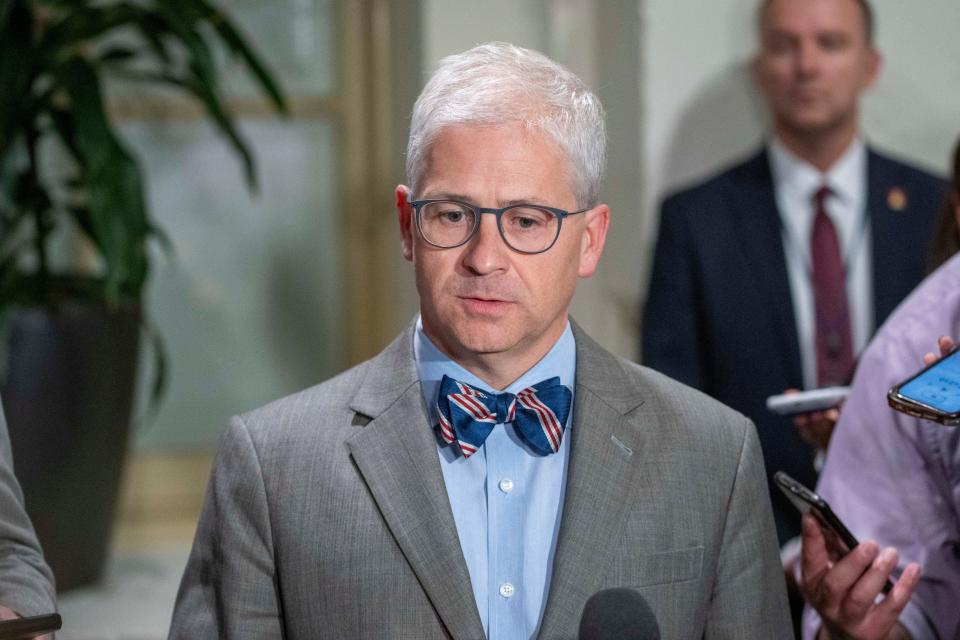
x: 525, y: 163
x: 820, y: 15
x: 515, y: 143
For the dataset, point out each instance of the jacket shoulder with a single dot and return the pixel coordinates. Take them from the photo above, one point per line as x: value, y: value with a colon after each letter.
x: 681, y: 414
x: 900, y: 169
x: 320, y: 411
x: 706, y: 191
x: 668, y: 396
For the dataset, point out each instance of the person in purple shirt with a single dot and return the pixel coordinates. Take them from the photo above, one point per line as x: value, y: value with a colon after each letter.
x: 894, y: 481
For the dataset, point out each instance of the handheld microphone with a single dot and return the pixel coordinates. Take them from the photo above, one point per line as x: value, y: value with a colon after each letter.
x: 618, y: 614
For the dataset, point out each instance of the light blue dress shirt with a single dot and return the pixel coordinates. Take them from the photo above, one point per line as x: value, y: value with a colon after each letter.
x: 506, y: 500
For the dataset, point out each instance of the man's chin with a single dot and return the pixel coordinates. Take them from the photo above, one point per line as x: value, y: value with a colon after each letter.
x: 485, y: 342
x: 470, y: 335
x: 813, y: 124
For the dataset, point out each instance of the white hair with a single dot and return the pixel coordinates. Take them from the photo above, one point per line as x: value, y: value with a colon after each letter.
x: 499, y: 83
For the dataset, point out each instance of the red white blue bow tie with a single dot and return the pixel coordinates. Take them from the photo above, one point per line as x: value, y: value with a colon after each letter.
x: 468, y: 415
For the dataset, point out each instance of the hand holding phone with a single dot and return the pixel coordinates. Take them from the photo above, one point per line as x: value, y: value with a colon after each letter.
x: 933, y: 393
x: 838, y: 538
x: 847, y: 592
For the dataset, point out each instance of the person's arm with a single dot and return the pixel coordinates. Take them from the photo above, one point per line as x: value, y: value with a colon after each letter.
x: 881, y: 481
x: 229, y: 588
x: 671, y: 333
x: 749, y: 596
x: 26, y: 582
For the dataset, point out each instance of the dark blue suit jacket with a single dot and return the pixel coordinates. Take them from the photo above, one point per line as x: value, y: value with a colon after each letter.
x: 719, y: 315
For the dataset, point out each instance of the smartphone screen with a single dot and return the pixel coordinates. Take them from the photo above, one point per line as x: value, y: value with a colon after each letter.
x: 937, y: 386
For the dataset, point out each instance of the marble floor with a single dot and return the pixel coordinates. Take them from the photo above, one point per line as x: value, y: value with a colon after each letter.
x: 132, y: 602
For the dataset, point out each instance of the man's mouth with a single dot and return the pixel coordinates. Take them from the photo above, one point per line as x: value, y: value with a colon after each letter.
x: 483, y: 305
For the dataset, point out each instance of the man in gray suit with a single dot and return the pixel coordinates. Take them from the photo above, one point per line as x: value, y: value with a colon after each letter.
x: 494, y: 467
x: 26, y: 582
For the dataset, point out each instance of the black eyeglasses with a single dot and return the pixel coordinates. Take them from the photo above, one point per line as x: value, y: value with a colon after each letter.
x: 525, y: 228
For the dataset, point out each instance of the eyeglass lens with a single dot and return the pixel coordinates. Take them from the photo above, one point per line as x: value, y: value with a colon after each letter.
x: 524, y: 227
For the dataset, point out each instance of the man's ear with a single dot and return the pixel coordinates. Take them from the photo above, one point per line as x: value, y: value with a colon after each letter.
x: 874, y: 65
x: 405, y: 217
x: 593, y: 239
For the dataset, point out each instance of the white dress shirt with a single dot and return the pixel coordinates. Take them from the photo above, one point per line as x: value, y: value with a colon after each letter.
x: 795, y: 182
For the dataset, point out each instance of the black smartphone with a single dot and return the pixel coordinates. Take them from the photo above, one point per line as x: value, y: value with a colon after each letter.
x: 839, y: 539
x: 29, y: 627
x: 932, y: 394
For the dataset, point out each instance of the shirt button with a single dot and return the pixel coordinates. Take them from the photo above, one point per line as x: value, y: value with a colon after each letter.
x: 506, y: 485
x: 507, y: 590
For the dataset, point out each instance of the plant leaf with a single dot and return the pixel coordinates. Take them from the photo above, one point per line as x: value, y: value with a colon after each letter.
x: 118, y: 54
x: 215, y: 109
x: 116, y: 205
x: 158, y: 385
x: 238, y: 46
x: 16, y: 68
x: 79, y: 26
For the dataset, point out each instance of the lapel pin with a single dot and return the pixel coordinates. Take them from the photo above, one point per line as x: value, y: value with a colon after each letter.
x: 897, y: 199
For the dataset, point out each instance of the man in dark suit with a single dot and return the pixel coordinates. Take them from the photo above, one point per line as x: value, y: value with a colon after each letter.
x: 494, y: 467
x: 774, y: 273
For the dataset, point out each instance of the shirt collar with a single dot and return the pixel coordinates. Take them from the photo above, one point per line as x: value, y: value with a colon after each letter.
x: 799, y: 179
x: 432, y: 365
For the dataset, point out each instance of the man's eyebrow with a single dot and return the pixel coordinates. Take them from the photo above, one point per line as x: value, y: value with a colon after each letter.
x: 775, y: 32
x: 443, y: 195
x: 531, y: 200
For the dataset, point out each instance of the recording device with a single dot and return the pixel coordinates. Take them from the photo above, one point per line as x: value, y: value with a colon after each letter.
x: 30, y: 627
x: 787, y: 404
x: 838, y: 538
x: 618, y: 614
x: 933, y: 394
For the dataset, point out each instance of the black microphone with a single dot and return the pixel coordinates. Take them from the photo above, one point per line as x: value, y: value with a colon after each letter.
x: 618, y: 614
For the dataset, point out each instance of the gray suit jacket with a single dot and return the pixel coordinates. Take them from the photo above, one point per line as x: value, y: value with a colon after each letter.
x: 327, y: 516
x: 26, y: 583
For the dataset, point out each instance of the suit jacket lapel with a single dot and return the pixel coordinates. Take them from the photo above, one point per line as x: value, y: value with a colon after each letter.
x: 607, y: 461
x: 759, y: 231
x: 396, y: 452
x: 889, y: 251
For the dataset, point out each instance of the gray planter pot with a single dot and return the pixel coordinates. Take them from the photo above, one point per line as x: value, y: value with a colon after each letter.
x: 68, y: 394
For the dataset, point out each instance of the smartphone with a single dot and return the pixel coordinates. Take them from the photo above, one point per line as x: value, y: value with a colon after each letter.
x: 933, y: 394
x: 29, y: 627
x: 807, y: 401
x: 839, y: 539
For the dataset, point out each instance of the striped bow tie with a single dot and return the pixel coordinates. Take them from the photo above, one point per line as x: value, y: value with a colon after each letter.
x: 468, y: 415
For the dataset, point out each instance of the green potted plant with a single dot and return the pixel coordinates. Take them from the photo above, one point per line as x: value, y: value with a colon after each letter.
x: 67, y: 178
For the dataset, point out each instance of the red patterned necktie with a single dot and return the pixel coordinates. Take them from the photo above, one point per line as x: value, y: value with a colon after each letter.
x: 834, y: 345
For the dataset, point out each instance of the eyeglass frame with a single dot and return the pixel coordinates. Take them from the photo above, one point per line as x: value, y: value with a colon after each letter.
x: 498, y: 212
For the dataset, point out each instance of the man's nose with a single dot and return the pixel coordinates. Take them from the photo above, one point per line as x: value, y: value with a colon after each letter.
x: 808, y: 59
x: 486, y: 251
